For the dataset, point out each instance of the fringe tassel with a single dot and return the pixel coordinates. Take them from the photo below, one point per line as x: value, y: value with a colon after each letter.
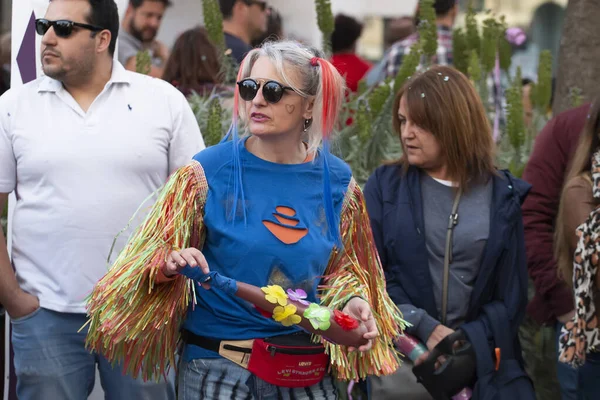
x: 133, y: 320
x: 355, y: 270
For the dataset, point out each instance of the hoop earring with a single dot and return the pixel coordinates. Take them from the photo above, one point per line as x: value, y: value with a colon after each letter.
x: 307, y: 124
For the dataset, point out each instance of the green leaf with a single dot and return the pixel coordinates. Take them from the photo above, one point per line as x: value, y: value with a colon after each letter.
x: 473, y: 40
x: 515, y: 124
x: 505, y: 53
x: 576, y: 96
x: 213, y: 21
x: 428, y: 29
x: 474, y: 67
x: 489, y: 44
x: 543, y: 89
x: 460, y: 50
x: 408, y: 67
x: 326, y: 22
x: 214, y: 119
x: 143, y: 62
x: 378, y: 98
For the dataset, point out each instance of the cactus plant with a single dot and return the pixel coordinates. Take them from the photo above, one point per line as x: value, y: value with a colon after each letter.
x: 408, y: 67
x: 213, y: 20
x: 427, y: 30
x: 326, y: 22
x: 460, y: 50
x: 143, y: 62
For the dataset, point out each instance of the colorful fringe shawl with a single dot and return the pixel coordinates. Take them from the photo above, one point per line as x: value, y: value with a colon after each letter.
x: 355, y: 270
x: 135, y: 321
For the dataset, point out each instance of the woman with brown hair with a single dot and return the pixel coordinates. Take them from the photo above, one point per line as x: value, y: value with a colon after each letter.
x: 577, y: 247
x: 447, y: 223
x: 193, y: 65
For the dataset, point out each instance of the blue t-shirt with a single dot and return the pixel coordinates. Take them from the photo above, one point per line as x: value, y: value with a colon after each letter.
x: 283, y: 241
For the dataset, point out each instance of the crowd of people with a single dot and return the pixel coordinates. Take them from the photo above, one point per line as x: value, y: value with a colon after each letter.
x: 258, y: 268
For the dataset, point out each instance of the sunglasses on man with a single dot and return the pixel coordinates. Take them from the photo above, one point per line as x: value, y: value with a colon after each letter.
x: 272, y: 91
x: 63, y: 27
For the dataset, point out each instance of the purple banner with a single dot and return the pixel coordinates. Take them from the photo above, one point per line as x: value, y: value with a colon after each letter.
x: 26, y: 56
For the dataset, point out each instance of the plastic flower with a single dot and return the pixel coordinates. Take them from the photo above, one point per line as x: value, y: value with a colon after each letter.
x: 275, y: 294
x: 263, y: 312
x: 286, y: 315
x: 298, y: 296
x: 318, y: 316
x: 344, y: 320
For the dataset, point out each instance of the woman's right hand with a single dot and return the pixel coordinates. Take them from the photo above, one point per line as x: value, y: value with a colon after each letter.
x: 177, y: 260
x: 438, y: 334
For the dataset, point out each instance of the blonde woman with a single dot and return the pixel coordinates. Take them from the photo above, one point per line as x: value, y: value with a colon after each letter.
x: 271, y: 208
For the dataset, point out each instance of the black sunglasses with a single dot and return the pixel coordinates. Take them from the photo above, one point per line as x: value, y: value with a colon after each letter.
x: 261, y: 4
x: 63, y: 27
x: 272, y: 91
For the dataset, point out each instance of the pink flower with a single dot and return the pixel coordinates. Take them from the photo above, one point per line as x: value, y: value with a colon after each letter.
x: 298, y: 296
x: 516, y: 36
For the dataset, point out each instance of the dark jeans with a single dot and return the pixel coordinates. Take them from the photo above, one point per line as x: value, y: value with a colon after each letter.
x: 568, y: 378
x: 589, y: 378
x: 51, y: 362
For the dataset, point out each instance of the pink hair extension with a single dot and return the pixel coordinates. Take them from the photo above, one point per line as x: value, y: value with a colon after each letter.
x: 332, y: 100
x: 236, y: 94
x: 332, y: 103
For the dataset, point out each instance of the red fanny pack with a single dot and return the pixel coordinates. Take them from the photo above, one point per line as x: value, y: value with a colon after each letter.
x: 289, y: 360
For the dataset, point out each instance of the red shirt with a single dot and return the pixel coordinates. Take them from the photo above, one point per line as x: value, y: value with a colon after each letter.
x: 351, y: 67
x: 545, y: 171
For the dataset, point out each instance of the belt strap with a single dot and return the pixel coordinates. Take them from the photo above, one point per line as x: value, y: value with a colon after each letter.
x: 213, y: 345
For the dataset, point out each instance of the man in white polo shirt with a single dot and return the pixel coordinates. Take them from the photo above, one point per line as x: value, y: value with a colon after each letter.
x: 82, y: 148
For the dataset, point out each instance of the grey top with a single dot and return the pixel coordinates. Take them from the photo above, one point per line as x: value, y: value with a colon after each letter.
x: 469, y: 239
x: 129, y: 46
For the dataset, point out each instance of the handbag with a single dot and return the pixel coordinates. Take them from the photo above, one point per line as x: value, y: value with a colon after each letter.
x: 290, y: 361
x: 505, y: 377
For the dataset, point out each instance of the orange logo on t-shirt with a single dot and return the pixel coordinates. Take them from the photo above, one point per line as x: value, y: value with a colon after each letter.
x: 285, y: 226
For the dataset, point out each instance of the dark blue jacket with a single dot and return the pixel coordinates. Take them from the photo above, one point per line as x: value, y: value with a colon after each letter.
x: 395, y: 208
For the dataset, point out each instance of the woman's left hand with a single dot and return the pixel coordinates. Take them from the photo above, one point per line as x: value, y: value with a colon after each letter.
x: 361, y: 310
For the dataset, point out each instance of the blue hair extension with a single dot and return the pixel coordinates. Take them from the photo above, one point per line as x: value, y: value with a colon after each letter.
x: 238, y: 187
x: 330, y: 215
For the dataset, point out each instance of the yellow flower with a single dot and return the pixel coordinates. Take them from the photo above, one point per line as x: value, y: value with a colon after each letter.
x: 286, y: 315
x: 275, y: 295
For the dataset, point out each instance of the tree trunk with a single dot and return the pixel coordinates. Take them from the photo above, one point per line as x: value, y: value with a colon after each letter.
x: 579, y: 56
